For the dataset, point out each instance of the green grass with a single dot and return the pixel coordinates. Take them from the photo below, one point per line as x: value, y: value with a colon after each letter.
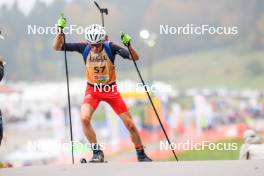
x: 212, y: 154
x: 99, y: 114
x: 217, y: 68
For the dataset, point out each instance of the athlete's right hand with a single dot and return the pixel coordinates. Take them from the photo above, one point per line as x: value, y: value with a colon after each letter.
x: 62, y: 21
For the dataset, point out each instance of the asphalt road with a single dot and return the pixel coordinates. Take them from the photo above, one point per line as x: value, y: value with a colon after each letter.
x: 187, y: 168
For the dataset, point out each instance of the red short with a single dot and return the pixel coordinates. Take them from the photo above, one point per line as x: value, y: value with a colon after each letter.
x: 93, y: 96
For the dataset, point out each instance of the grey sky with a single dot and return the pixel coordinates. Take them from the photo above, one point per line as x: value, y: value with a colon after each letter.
x: 24, y: 5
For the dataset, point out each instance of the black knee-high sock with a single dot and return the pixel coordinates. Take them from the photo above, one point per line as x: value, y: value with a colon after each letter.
x: 96, y: 148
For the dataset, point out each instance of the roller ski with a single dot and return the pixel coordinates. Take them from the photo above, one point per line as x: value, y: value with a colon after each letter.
x: 98, y: 157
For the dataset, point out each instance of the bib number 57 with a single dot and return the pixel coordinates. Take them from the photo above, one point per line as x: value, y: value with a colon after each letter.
x: 99, y: 69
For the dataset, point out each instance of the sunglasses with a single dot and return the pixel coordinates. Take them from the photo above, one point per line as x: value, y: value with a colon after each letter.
x: 96, y: 45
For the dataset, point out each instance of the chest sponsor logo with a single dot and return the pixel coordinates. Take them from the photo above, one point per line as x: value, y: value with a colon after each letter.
x: 97, y: 59
x: 101, y: 77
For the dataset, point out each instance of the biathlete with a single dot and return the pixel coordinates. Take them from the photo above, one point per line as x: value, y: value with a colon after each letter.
x: 1, y: 77
x: 1, y: 120
x: 99, y: 56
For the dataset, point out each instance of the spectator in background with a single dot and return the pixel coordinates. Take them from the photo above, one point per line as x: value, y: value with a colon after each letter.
x: 1, y: 69
x: 1, y: 121
x: 253, y: 148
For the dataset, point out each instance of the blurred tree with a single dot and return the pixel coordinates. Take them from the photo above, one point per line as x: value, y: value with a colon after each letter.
x: 40, y: 62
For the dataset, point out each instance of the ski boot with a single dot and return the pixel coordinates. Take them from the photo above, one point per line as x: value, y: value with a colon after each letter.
x: 141, y: 156
x: 98, y: 157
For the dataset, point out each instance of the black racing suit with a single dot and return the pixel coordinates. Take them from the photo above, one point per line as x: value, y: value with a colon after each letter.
x: 1, y: 121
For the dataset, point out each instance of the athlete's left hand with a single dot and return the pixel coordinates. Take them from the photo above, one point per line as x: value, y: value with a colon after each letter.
x: 126, y: 39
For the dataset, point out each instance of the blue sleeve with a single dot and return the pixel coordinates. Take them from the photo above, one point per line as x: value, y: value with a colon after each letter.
x: 116, y: 49
x: 78, y: 47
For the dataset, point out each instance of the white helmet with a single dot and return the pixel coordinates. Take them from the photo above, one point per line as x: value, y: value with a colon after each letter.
x: 249, y: 134
x: 95, y: 34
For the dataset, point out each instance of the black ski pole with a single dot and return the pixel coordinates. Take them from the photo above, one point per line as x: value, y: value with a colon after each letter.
x: 153, y: 106
x: 68, y: 92
x: 102, y: 11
